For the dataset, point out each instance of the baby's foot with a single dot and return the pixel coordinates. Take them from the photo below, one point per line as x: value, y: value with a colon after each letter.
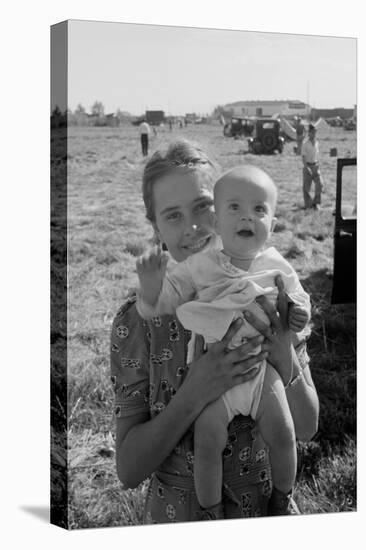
x: 211, y: 513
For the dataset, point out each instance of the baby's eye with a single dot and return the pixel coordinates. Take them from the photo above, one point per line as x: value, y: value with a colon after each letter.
x: 234, y: 206
x: 260, y: 208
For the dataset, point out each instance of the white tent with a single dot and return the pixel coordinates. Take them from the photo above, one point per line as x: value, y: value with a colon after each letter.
x: 287, y: 128
x: 321, y: 125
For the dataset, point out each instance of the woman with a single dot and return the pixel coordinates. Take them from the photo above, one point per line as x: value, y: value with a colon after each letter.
x: 159, y: 396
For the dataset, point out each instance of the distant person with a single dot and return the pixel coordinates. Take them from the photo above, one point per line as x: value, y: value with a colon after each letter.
x: 311, y: 172
x: 145, y: 131
x: 300, y: 134
x: 170, y: 125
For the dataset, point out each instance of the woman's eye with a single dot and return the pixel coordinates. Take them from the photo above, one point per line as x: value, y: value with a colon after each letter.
x: 203, y: 206
x: 174, y: 216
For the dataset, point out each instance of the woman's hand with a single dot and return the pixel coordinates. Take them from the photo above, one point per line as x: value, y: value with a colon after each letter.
x: 219, y: 369
x: 302, y: 396
x: 277, y: 335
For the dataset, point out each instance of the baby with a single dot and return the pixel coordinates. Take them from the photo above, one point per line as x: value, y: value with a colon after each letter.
x: 208, y: 291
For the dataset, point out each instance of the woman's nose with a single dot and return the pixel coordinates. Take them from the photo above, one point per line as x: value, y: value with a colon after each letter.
x: 190, y: 228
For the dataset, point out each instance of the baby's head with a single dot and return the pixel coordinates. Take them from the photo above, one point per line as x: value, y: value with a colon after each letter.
x: 245, y: 203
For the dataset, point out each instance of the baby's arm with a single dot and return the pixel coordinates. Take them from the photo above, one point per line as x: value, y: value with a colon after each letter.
x: 298, y: 317
x: 151, y: 268
x: 162, y: 291
x: 299, y: 311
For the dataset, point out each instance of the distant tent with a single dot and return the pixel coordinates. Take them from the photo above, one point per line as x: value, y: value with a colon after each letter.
x: 321, y: 125
x: 286, y: 127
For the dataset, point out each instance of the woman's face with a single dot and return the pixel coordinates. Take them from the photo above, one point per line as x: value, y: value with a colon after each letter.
x: 184, y: 213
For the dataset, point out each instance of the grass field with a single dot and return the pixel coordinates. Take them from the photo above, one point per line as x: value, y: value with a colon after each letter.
x: 107, y: 230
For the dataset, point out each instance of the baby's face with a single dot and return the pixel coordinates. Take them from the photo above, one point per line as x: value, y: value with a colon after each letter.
x: 245, y: 213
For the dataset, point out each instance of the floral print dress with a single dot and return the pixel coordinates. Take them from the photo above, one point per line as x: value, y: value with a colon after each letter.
x: 148, y: 365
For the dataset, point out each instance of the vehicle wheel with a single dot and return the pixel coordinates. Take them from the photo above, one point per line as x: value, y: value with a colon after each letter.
x: 269, y: 143
x: 227, y: 130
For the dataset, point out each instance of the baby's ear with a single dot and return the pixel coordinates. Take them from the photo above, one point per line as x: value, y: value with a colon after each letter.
x: 215, y: 223
x: 273, y: 224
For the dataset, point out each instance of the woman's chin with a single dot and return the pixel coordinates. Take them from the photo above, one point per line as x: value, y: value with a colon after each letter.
x: 210, y: 242
x: 213, y: 242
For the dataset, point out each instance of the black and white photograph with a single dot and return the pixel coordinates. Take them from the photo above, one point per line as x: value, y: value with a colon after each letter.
x: 203, y: 274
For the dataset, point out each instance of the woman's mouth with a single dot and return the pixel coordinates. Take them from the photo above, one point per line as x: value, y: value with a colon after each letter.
x: 198, y: 245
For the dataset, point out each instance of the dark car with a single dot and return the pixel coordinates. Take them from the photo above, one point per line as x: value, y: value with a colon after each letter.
x: 239, y: 127
x: 267, y: 138
x: 349, y: 124
x: 345, y: 233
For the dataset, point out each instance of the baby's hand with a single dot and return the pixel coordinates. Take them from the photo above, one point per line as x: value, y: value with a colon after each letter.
x: 298, y: 317
x: 151, y: 268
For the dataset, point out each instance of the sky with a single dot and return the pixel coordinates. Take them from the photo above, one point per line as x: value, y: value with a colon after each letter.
x: 180, y: 69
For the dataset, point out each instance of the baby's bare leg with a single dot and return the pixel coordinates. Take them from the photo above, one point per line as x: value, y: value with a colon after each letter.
x: 210, y: 436
x: 277, y: 429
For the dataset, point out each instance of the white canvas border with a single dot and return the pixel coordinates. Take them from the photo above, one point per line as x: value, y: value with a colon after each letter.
x: 26, y: 266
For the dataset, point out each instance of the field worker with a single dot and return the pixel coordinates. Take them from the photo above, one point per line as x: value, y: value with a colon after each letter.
x: 145, y: 131
x: 223, y: 282
x: 300, y: 134
x: 159, y: 395
x: 311, y: 172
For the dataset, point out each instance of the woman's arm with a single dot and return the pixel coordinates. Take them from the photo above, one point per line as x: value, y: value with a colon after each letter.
x: 303, y: 401
x: 143, y: 444
x: 300, y: 390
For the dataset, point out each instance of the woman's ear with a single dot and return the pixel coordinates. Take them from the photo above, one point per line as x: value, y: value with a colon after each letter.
x: 156, y: 230
x: 156, y: 233
x: 157, y: 238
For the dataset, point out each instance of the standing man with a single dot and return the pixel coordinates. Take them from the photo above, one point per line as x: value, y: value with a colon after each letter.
x: 300, y: 134
x: 145, y: 131
x: 311, y: 172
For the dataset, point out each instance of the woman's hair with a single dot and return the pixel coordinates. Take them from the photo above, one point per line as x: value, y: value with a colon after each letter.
x: 180, y: 154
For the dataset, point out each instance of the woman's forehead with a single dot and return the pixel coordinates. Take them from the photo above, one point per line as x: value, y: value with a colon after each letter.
x: 180, y: 189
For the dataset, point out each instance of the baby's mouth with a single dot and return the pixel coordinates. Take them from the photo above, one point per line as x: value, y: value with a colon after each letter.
x: 245, y: 233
